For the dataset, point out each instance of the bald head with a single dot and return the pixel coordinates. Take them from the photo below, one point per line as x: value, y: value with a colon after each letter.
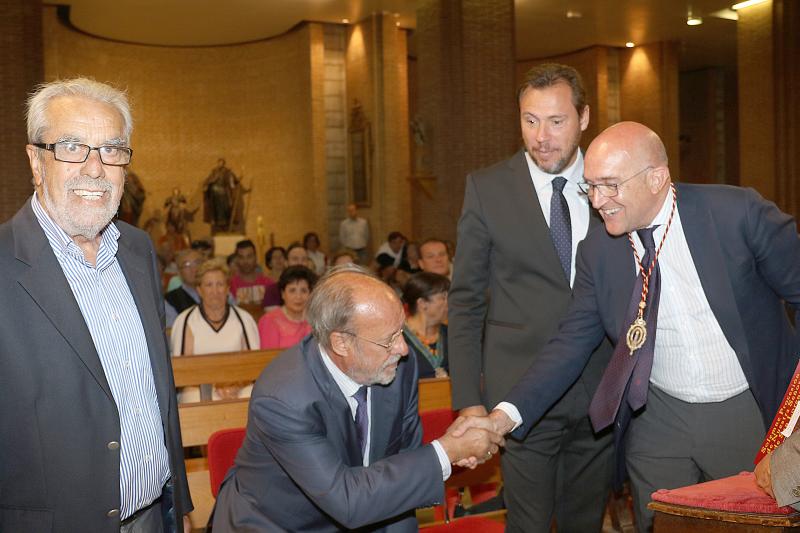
x: 630, y: 160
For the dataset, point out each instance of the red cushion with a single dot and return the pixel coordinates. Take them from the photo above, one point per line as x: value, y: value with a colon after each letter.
x: 468, y: 524
x: 435, y: 423
x: 223, y: 445
x: 738, y: 494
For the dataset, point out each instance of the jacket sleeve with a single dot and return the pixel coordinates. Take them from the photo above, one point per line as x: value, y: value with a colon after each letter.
x: 468, y: 301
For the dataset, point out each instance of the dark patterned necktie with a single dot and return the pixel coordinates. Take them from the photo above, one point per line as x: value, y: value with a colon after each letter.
x: 362, y: 417
x: 561, y: 225
x: 623, y: 366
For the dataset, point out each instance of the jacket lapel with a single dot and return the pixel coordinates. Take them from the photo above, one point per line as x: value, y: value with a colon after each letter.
x: 342, y: 417
x: 385, y: 404
x: 44, y: 281
x: 135, y: 269
x: 699, y: 229
x: 531, y: 219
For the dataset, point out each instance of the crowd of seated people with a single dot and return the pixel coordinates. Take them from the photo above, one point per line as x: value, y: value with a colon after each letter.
x: 214, y: 308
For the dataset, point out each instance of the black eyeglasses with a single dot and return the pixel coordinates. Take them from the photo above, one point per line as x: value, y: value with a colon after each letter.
x: 70, y: 152
x: 608, y: 190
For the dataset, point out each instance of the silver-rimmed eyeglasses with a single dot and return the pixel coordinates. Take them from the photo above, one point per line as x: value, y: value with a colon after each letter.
x: 70, y: 152
x: 608, y: 190
x: 386, y: 346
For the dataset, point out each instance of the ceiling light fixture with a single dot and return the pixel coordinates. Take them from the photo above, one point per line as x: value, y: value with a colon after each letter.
x: 630, y: 44
x: 748, y: 3
x: 574, y: 14
x: 345, y: 21
x: 693, y: 21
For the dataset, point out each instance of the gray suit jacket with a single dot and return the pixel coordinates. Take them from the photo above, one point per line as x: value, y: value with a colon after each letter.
x: 509, y: 290
x: 785, y: 469
x: 747, y: 255
x: 58, y: 415
x: 300, y: 466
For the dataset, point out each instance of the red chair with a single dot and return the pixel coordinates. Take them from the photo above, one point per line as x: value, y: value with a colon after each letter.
x: 223, y: 445
x: 468, y: 524
x: 434, y: 424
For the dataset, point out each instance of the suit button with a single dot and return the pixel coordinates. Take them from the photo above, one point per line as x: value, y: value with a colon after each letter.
x: 113, y: 445
x: 113, y: 513
x: 796, y: 492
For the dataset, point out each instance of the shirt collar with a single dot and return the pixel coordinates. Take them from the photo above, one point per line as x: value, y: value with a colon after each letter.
x: 344, y: 382
x: 662, y: 217
x: 541, y: 179
x: 61, y: 243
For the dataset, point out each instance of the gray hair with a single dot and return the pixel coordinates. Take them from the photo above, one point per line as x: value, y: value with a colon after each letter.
x: 43, y: 94
x: 331, y: 306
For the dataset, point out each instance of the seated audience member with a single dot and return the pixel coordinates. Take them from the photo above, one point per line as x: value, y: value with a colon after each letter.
x: 205, y: 247
x: 334, y: 440
x: 425, y: 294
x: 275, y: 259
x: 233, y: 265
x: 433, y: 257
x: 343, y: 257
x: 286, y: 325
x: 248, y: 285
x: 214, y: 326
x: 185, y: 295
x: 315, y: 255
x: 391, y: 252
x: 410, y: 262
x: 297, y: 255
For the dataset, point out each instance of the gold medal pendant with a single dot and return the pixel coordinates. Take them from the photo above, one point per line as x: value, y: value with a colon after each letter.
x: 637, y: 334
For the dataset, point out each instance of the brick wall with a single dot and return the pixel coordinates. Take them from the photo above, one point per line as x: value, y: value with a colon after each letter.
x: 20, y: 69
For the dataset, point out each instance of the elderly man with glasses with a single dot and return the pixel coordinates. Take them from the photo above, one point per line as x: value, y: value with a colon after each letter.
x: 334, y: 440
x: 690, y: 282
x: 89, y: 430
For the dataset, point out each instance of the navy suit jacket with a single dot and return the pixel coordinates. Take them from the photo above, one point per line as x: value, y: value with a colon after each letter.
x: 747, y: 255
x: 300, y: 467
x: 57, y: 416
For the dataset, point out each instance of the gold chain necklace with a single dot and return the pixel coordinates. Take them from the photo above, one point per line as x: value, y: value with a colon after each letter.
x: 637, y: 332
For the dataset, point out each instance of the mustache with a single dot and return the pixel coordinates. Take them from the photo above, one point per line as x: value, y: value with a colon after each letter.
x: 86, y: 182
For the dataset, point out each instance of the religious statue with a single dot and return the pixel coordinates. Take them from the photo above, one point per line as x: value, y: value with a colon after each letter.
x: 176, y: 221
x: 223, y: 196
x: 132, y: 203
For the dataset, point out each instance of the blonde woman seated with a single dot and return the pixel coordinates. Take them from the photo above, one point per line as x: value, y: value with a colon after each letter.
x: 214, y: 326
x: 425, y: 331
x: 285, y: 326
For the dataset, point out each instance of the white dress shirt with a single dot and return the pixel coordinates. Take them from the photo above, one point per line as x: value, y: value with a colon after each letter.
x: 577, y: 202
x: 349, y: 388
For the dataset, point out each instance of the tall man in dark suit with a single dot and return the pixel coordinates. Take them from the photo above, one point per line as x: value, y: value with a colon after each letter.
x: 689, y: 394
x: 89, y: 431
x: 519, y: 229
x: 333, y: 435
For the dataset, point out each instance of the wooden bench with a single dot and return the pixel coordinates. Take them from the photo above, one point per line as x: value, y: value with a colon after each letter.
x: 199, y: 420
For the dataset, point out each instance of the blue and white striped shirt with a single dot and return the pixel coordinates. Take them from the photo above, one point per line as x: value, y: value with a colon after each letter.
x: 110, y: 313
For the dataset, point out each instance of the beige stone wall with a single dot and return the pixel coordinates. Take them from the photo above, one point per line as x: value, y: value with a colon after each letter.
x: 253, y: 104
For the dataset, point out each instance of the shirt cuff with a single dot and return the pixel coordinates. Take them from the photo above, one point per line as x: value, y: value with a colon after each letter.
x: 512, y: 412
x: 444, y: 461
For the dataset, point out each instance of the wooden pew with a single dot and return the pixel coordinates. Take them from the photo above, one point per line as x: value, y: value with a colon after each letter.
x: 200, y: 420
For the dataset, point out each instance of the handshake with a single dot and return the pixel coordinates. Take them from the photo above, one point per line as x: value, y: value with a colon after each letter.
x: 475, y: 436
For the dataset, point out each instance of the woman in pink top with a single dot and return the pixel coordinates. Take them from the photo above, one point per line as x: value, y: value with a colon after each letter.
x: 286, y: 325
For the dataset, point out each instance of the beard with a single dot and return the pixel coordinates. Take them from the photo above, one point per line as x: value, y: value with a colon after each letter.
x: 556, y: 167
x: 75, y: 218
x: 383, y: 375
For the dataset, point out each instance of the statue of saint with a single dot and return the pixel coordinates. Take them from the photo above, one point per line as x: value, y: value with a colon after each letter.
x: 223, y: 196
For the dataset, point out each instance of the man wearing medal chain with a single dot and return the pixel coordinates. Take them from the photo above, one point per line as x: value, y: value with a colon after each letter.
x: 691, y: 394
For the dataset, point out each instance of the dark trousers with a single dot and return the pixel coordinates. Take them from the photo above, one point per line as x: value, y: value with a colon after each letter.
x: 561, y: 469
x: 672, y: 443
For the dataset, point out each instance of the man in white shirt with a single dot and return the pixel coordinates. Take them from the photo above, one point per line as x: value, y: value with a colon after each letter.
x: 354, y: 233
x: 706, y: 381
x: 334, y: 437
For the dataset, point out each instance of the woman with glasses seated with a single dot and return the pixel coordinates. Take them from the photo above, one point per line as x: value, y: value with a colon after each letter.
x: 285, y: 326
x: 425, y: 331
x: 214, y: 326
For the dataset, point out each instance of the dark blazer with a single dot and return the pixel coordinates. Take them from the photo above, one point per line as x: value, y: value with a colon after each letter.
x: 58, y: 415
x: 300, y: 466
x: 747, y: 255
x: 505, y: 248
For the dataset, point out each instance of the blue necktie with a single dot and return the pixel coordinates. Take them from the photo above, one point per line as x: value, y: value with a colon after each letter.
x: 362, y: 417
x: 561, y: 225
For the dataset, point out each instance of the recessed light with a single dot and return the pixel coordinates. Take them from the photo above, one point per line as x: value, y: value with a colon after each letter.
x: 345, y: 21
x: 693, y: 21
x: 574, y: 14
x: 748, y: 3
x: 630, y: 44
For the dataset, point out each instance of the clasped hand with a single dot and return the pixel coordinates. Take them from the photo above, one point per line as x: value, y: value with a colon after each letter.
x: 472, y: 440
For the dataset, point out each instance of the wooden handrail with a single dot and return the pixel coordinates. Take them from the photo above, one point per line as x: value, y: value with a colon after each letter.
x: 221, y: 367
